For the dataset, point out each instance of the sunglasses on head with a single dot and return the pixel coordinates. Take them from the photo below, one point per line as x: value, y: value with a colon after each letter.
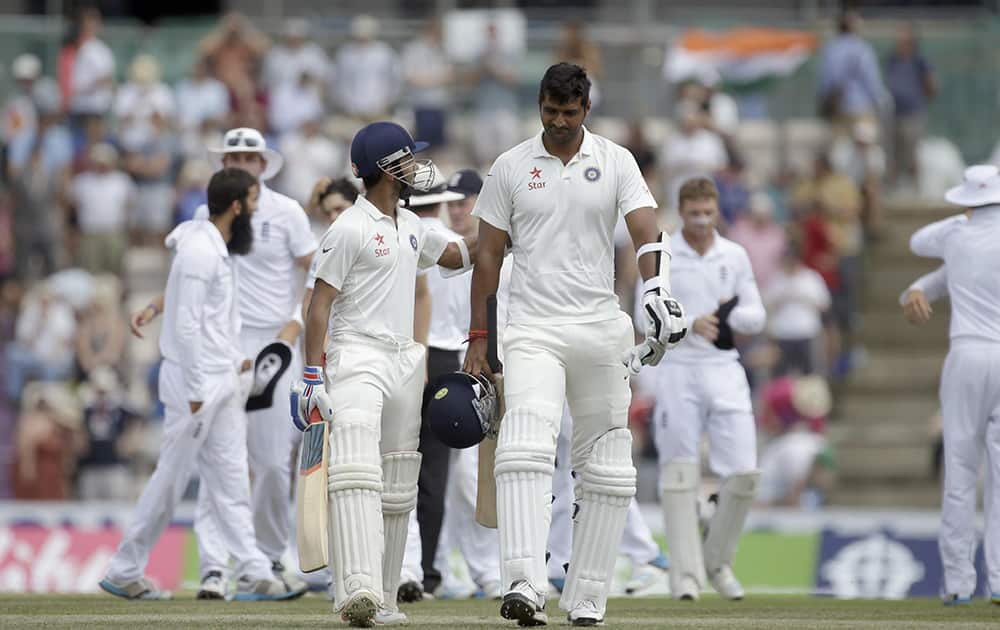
x: 237, y: 140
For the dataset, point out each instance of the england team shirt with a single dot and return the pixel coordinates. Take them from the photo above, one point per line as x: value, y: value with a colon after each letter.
x: 268, y: 284
x: 372, y: 261
x: 970, y: 249
x: 561, y: 220
x: 701, y: 284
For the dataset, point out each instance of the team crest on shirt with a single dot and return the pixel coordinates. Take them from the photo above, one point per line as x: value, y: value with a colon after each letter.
x: 265, y: 230
x: 592, y: 174
x: 723, y: 273
x: 413, y: 242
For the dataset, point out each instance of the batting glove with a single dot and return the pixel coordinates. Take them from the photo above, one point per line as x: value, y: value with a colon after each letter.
x: 664, y: 318
x: 309, y: 396
x: 649, y: 352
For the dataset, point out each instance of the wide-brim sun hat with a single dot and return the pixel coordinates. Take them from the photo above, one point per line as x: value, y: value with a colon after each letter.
x: 980, y: 187
x: 247, y: 140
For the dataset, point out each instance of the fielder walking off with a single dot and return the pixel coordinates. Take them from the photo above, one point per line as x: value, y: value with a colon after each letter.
x: 970, y: 381
x: 703, y: 389
x: 556, y: 198
x: 203, y: 396
x: 369, y: 381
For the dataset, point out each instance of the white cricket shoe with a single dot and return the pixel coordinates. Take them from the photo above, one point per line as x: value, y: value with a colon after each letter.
x: 725, y: 583
x: 248, y: 590
x: 644, y: 578
x: 213, y: 586
x: 585, y: 614
x: 143, y: 588
x: 491, y: 590
x: 386, y: 617
x: 524, y: 604
x: 292, y: 581
x: 687, y: 590
x: 360, y: 609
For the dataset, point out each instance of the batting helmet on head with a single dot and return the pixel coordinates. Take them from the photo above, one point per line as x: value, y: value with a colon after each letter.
x: 462, y: 409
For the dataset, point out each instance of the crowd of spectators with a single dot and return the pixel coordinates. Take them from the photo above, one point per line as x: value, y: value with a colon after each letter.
x: 95, y: 167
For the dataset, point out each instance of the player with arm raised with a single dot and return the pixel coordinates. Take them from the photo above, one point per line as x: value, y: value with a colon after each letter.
x: 556, y: 197
x: 369, y: 390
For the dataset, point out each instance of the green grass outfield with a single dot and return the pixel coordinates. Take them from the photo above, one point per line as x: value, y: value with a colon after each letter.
x: 764, y: 611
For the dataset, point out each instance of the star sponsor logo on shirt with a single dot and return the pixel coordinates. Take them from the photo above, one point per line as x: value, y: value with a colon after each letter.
x: 380, y: 248
x: 536, y: 173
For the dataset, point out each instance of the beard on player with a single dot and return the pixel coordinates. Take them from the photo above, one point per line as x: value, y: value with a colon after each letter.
x: 241, y: 239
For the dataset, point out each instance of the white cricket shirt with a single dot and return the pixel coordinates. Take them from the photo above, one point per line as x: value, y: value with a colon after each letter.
x: 372, y: 261
x: 971, y: 252
x: 795, y: 303
x: 561, y: 220
x: 268, y: 288
x: 449, y: 299
x: 201, y: 322
x: 701, y: 284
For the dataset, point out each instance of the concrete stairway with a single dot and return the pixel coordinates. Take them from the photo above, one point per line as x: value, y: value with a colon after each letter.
x: 881, y: 425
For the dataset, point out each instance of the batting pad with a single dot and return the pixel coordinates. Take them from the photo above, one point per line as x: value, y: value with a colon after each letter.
x: 735, y: 497
x: 679, y: 484
x: 354, y: 481
x: 525, y: 456
x: 606, y: 487
x: 399, y: 497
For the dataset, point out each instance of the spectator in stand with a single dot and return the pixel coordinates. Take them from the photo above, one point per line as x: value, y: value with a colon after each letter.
x: 295, y: 103
x: 429, y: 74
x: 796, y: 300
x: 494, y: 82
x: 69, y: 46
x: 20, y: 119
x: 576, y: 47
x: 141, y: 102
x: 93, y: 78
x: 100, y: 336
x: 762, y: 237
x: 48, y: 439
x: 203, y: 108
x: 911, y: 83
x: 102, y: 196
x: 38, y: 167
x: 311, y: 155
x: 693, y: 151
x: 152, y: 167
x: 368, y: 73
x: 721, y: 113
x: 42, y: 347
x: 295, y: 56
x: 861, y: 158
x: 109, y: 426
x: 797, y: 464
x: 235, y: 51
x: 192, y: 184
x: 850, y: 85
x: 734, y: 194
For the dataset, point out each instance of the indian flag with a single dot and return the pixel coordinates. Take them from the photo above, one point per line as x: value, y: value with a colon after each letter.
x: 739, y: 57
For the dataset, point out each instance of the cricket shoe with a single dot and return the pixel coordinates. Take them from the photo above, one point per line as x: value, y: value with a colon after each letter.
x: 585, y: 615
x: 647, y: 576
x: 409, y: 592
x: 523, y: 604
x: 212, y: 586
x: 386, y: 617
x: 248, y: 590
x: 142, y: 588
x: 687, y: 591
x: 491, y: 590
x: 360, y: 609
x: 292, y: 581
x: 725, y: 583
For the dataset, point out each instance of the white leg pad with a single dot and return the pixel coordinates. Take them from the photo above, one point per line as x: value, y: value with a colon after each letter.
x: 735, y: 498
x: 399, y: 497
x: 354, y: 481
x: 525, y: 457
x: 607, y: 485
x: 679, y: 485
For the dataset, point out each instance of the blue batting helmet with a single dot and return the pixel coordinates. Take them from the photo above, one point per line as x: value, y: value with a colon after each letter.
x: 462, y: 409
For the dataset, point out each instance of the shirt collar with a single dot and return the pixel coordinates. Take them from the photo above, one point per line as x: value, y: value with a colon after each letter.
x: 216, y: 237
x: 682, y: 247
x: 370, y: 208
x: 586, y: 147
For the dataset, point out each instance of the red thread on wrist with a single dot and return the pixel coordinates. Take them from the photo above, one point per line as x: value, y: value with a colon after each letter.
x: 477, y: 333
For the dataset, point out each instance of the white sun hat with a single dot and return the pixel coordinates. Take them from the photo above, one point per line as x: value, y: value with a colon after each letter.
x: 247, y: 140
x: 980, y: 187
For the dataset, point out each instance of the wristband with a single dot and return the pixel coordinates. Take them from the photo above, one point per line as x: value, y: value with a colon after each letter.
x: 312, y: 375
x: 477, y: 333
x: 156, y: 311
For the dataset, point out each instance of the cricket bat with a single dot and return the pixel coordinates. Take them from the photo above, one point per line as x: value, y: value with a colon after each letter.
x: 486, y: 494
x: 311, y: 500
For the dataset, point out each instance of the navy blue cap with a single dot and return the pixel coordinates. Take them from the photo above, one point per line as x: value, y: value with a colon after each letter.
x: 466, y: 181
x: 376, y: 141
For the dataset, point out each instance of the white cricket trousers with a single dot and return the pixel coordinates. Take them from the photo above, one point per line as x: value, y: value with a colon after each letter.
x: 970, y: 405
x: 211, y: 442
x: 693, y: 399
x: 272, y: 441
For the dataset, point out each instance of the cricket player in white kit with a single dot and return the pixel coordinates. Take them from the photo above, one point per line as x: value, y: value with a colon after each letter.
x: 703, y: 389
x: 267, y: 295
x: 203, y: 395
x: 970, y: 381
x: 368, y: 382
x: 556, y: 198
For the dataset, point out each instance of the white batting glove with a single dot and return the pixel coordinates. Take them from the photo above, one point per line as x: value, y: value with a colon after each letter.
x: 649, y: 352
x: 309, y: 396
x: 664, y: 318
